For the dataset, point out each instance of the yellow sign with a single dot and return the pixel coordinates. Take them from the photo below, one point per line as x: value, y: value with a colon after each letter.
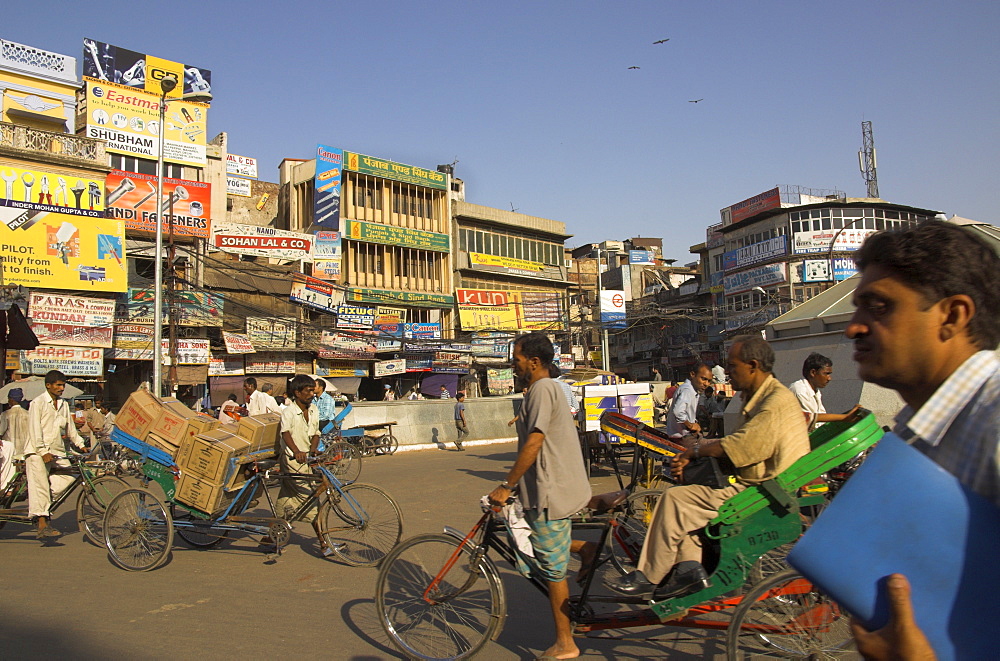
x: 128, y: 120
x: 53, y: 233
x: 512, y: 263
x: 485, y: 309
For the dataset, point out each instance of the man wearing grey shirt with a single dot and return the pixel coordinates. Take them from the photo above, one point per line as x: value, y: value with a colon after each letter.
x: 550, y: 477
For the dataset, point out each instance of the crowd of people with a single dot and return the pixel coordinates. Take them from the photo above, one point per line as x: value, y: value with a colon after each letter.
x: 926, y: 325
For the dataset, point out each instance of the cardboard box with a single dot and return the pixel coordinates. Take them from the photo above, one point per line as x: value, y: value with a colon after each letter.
x: 208, y: 455
x: 260, y: 430
x: 177, y: 422
x: 162, y: 444
x: 138, y: 414
x: 202, y: 494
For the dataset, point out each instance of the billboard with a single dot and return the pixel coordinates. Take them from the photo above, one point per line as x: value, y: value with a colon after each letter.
x: 613, y: 308
x: 818, y: 270
x: 132, y: 199
x: 326, y: 255
x: 511, y: 264
x: 396, y: 236
x: 760, y: 276
x: 819, y: 240
x: 315, y: 293
x: 409, y: 174
x: 641, y: 257
x: 237, y: 343
x: 757, y: 252
x: 241, y: 166
x: 355, y: 316
x: 390, y: 367
x: 262, y: 241
x: 123, y: 103
x: 71, y: 361
x: 190, y: 308
x: 239, y: 187
x: 751, y: 206
x: 54, y: 233
x: 270, y: 362
x: 484, y: 309
x: 71, y: 320
x: 225, y: 365
x: 271, y: 333
x: 360, y: 344
x: 329, y: 166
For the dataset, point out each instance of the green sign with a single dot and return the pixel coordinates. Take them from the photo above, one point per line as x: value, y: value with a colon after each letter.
x: 389, y: 235
x: 409, y: 174
x: 358, y: 295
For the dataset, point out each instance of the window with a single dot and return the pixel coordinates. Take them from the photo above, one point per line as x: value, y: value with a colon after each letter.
x: 144, y: 166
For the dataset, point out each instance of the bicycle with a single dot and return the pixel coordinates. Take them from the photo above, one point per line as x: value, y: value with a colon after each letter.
x: 99, y: 487
x: 440, y: 596
x: 359, y: 523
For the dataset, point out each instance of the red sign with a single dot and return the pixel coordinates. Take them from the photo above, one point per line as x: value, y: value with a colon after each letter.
x: 132, y: 197
x: 752, y: 206
x: 261, y: 242
x: 482, y: 297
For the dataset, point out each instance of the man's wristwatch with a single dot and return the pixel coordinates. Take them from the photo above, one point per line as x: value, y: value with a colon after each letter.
x: 507, y: 487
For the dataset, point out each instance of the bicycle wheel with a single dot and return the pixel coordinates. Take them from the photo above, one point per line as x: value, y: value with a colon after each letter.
x: 346, y: 460
x: 360, y: 526
x: 196, y: 532
x: 93, y: 502
x: 387, y: 444
x: 138, y: 531
x: 435, y: 602
x: 785, y: 616
x: 625, y: 540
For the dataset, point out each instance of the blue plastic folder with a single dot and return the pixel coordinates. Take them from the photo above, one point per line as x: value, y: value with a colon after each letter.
x: 903, y: 513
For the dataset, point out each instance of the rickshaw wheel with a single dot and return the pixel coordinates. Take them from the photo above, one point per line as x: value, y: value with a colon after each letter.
x: 138, y: 530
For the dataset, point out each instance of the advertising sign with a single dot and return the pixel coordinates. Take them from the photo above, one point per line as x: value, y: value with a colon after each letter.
x: 422, y: 331
x: 189, y: 352
x: 386, y: 315
x: 326, y: 255
x: 329, y: 166
x: 71, y: 320
x: 757, y: 252
x: 335, y: 368
x: 449, y: 362
x: 396, y: 236
x: 53, y: 233
x: 818, y: 270
x: 392, y: 297
x: 819, y: 240
x: 317, y: 294
x: 270, y: 362
x: 190, y: 308
x: 241, y: 166
x: 225, y: 365
x: 751, y: 206
x: 641, y: 257
x: 409, y: 174
x: 132, y: 198
x: 354, y: 316
x: 237, y: 343
x: 261, y: 241
x: 493, y: 345
x: 484, y: 309
x: 500, y: 382
x: 132, y: 342
x: 271, y: 333
x: 511, y: 264
x: 389, y: 336
x: 71, y: 361
x: 237, y: 186
x: 389, y: 367
x: 339, y: 345
x: 760, y: 276
x: 613, y: 308
x: 123, y: 95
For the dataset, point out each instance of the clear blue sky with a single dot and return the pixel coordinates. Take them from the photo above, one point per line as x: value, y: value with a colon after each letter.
x: 536, y: 101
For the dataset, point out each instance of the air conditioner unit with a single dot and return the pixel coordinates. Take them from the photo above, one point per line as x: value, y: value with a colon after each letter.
x: 613, y: 246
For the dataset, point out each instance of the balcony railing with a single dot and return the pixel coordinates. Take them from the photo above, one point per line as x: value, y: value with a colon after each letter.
x: 62, y: 144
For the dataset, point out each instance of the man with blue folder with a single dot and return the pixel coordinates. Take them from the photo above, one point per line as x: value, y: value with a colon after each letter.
x: 927, y: 324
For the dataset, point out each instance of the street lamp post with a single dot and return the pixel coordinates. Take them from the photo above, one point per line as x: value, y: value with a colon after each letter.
x: 167, y: 85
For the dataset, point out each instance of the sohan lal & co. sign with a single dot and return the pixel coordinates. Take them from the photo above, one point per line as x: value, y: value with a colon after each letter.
x: 262, y: 241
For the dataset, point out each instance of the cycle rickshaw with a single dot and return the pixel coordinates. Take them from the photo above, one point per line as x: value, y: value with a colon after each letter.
x: 441, y: 597
x: 359, y: 523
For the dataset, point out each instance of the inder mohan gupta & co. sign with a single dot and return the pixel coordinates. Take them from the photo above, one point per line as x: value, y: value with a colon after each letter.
x: 262, y: 241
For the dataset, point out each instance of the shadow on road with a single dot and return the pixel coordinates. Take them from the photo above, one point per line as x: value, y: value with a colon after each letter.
x: 360, y: 617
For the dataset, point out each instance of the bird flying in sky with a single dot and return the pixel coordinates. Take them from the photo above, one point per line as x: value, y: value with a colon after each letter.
x: 696, y: 101
x: 661, y: 41
x: 633, y: 67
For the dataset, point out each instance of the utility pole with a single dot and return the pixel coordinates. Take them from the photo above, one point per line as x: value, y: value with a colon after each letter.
x: 866, y: 159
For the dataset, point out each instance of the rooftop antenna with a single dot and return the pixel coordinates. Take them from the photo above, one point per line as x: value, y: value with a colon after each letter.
x: 866, y: 159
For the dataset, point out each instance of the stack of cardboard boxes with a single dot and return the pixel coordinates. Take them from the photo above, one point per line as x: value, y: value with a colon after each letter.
x: 210, y: 455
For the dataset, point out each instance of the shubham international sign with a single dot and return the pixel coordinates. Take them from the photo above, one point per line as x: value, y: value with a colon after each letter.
x: 409, y: 174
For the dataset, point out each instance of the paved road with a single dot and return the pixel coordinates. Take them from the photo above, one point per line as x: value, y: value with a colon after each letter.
x: 68, y: 600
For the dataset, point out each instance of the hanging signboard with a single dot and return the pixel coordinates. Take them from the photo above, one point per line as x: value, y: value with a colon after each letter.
x: 132, y: 342
x: 422, y: 331
x: 271, y: 332
x: 613, y: 308
x: 72, y: 320
x: 343, y: 368
x: 261, y: 241
x: 222, y: 364
x: 500, y: 381
x: 241, y: 166
x: 237, y: 342
x: 760, y: 276
x: 819, y: 240
x: 355, y: 316
x: 389, y: 367
x: 189, y: 352
x: 315, y: 293
x: 71, y: 361
x: 326, y: 255
x: 329, y: 167
x: 270, y: 362
x: 360, y: 344
x: 238, y: 187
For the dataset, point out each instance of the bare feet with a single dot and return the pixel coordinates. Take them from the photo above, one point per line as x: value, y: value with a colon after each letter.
x: 559, y: 652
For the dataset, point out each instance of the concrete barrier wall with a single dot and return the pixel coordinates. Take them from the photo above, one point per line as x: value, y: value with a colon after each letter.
x: 431, y: 422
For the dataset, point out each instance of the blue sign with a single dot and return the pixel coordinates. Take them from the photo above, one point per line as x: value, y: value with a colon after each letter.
x: 329, y: 165
x: 641, y: 257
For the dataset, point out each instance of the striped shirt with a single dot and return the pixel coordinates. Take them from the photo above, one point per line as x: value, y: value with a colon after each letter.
x: 959, y: 426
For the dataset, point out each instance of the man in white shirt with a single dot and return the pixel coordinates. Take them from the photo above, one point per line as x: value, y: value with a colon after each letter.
x: 258, y: 402
x: 49, y: 419
x: 682, y: 420
x: 13, y: 434
x: 817, y: 372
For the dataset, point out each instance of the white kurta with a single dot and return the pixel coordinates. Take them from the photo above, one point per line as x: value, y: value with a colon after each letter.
x: 48, y: 421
